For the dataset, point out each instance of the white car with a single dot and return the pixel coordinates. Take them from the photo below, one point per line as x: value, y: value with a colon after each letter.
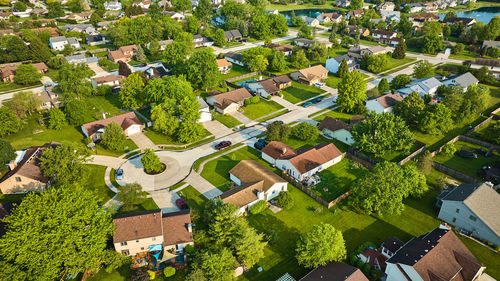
x: 319, y: 85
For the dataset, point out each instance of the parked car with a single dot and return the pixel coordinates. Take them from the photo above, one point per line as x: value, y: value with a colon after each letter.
x: 258, y: 145
x: 316, y: 100
x: 319, y: 85
x: 181, y: 204
x: 119, y: 174
x: 223, y: 144
x: 307, y: 104
x: 279, y: 122
x: 263, y: 141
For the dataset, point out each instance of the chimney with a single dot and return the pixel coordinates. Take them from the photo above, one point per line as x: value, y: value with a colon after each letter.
x: 283, y: 150
x: 260, y: 77
x: 103, y: 115
x: 190, y: 227
x: 12, y: 165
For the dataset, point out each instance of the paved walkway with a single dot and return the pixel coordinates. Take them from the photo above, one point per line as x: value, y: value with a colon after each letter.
x: 142, y: 141
x: 203, y: 186
x: 217, y: 129
x: 283, y: 102
x: 242, y: 118
x: 165, y: 200
x: 108, y: 161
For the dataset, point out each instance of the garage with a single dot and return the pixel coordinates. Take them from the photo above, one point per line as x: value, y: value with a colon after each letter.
x: 133, y: 129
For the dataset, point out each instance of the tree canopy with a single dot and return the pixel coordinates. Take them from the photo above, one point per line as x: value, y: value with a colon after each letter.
x: 321, y: 245
x: 351, y: 92
x: 113, y: 136
x: 7, y: 153
x: 64, y: 164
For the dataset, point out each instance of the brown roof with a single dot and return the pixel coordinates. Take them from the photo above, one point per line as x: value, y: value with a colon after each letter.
x: 281, y: 48
x: 40, y: 66
x: 310, y: 158
x: 425, y: 16
x: 175, y: 228
x: 383, y: 32
x: 52, y: 30
x: 137, y: 226
x: 234, y: 96
x: 333, y: 124
x: 223, y: 62
x: 275, y: 150
x: 375, y: 257
x: 314, y: 71
x: 488, y: 62
x: 6, y: 31
x: 269, y: 86
x: 335, y: 271
x: 117, y: 54
x: 124, y: 120
x: 331, y: 15
x: 108, y: 78
x: 128, y: 48
x: 7, y: 71
x: 242, y: 195
x: 251, y: 171
x: 389, y: 100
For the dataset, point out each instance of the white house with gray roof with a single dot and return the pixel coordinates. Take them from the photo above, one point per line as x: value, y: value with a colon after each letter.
x: 424, y: 86
x: 333, y: 64
x: 473, y: 208
x: 81, y: 58
x: 462, y: 80
x: 59, y: 42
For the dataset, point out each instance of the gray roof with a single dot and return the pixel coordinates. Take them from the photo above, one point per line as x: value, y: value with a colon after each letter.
x: 234, y: 56
x: 305, y: 41
x: 165, y: 42
x: 491, y: 44
x: 75, y: 57
x: 72, y: 40
x: 57, y: 39
x: 351, y: 61
x: 95, y: 38
x: 463, y: 80
x: 202, y: 103
x: 481, y: 199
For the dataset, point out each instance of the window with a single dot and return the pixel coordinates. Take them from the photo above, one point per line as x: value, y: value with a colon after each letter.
x: 454, y: 220
x: 18, y: 179
x: 472, y: 218
x: 126, y: 253
x: 136, y: 241
x: 458, y: 211
x: 123, y: 243
x: 154, y: 238
x: 142, y: 248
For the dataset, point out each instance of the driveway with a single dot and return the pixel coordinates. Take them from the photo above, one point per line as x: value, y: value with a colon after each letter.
x: 216, y: 128
x: 107, y: 161
x: 97, y: 70
x: 165, y: 200
x: 242, y: 118
x: 142, y: 141
x: 283, y: 102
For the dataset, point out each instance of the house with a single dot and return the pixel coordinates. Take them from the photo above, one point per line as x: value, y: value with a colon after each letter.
x: 58, y: 43
x: 490, y: 44
x: 392, y: 42
x: 7, y: 32
x: 467, y: 22
x: 224, y: 66
x: 232, y: 35
x: 419, y: 19
x: 375, y: 50
x: 81, y: 58
x: 174, y: 15
x: 330, y: 17
x: 205, y: 114
x: 5, y: 15
x: 492, y: 65
x: 45, y: 22
x: 386, y: 6
x: 83, y: 27
x: 155, y: 70
x: 124, y: 53
x: 335, y: 271
x: 41, y: 67
x: 332, y: 65
x: 379, y: 34
x: 229, y: 102
x: 254, y: 182
x: 270, y: 86
x: 95, y: 40
x: 128, y: 121
x: 355, y: 14
x: 424, y: 86
x: 137, y: 232
x: 80, y: 17
x: 390, y: 246
x: 143, y: 4
x: 313, y: 22
x: 302, y: 164
x: 391, y: 15
x: 163, y: 44
x: 201, y: 41
x: 335, y: 129
x: 343, y: 3
x: 49, y: 97
x: 106, y: 24
x: 7, y: 73
x: 374, y: 258
x: 24, y: 173
x: 285, y: 49
x: 110, y: 80
x: 52, y: 30
x: 310, y: 75
x: 463, y: 80
x: 305, y: 43
x: 112, y: 6
x: 235, y: 58
x: 436, y: 255
x: 353, y: 29
x: 274, y: 12
x: 473, y: 208
x: 415, y: 7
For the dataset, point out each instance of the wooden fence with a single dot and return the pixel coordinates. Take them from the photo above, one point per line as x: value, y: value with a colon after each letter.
x: 97, y: 50
x: 467, y: 139
x: 454, y: 173
x: 360, y: 157
x: 480, y: 125
x: 241, y: 77
x: 415, y: 153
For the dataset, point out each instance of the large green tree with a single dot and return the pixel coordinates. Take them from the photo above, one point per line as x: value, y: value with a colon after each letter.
x: 400, y: 50
x: 164, y: 117
x: 113, y: 136
x: 57, y: 119
x: 436, y: 119
x: 277, y: 61
x: 202, y: 70
x: 410, y: 109
x: 433, y: 43
x: 423, y: 69
x: 299, y: 59
x: 383, y: 86
x: 7, y: 153
x: 130, y: 195
x: 65, y: 164
x: 400, y: 81
x: 475, y: 100
x: 319, y: 246
x: 258, y: 63
x: 26, y: 74
x: 351, y: 92
x: 216, y: 265
x: 77, y: 112
x: 343, y: 69
x: 73, y: 81
x: 219, y: 38
x: 131, y: 93
x: 22, y: 103
x: 277, y: 132
x: 10, y: 122
x: 151, y: 161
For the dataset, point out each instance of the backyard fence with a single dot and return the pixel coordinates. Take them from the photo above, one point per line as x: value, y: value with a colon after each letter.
x: 233, y: 85
x: 453, y: 140
x: 100, y: 50
x: 467, y: 139
x: 415, y: 153
x: 454, y: 173
x: 360, y: 157
x: 149, y: 123
x: 241, y: 77
x: 480, y: 125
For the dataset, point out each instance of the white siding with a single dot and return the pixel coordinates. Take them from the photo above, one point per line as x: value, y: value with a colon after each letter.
x: 135, y: 247
x: 374, y: 105
x: 235, y: 179
x: 394, y: 274
x: 268, y: 158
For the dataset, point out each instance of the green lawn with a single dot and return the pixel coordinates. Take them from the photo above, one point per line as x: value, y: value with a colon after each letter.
x: 121, y: 274
x: 109, y: 104
x: 263, y: 107
x: 487, y: 257
x: 198, y: 162
x: 148, y: 204
x: 228, y: 120
x: 346, y: 117
x: 158, y: 138
x: 53, y: 74
x: 194, y: 199
x: 485, y: 132
x: 236, y: 70
x: 96, y: 183
x: 393, y: 63
x: 296, y: 143
x: 129, y: 145
x: 332, y: 81
x: 6, y: 87
x: 278, y: 113
x: 299, y: 92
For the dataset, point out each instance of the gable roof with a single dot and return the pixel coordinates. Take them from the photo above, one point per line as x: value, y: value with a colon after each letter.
x: 335, y: 271
x: 251, y: 171
x: 234, y: 56
x: 333, y: 124
x: 271, y: 85
x: 137, y: 226
x: 465, y: 21
x: 464, y: 80
x: 242, y: 195
x: 388, y: 100
x: 275, y: 150
x: 40, y: 66
x: 383, y: 32
x: 234, y: 96
x: 125, y: 120
x: 313, y: 72
x: 108, y: 78
x: 231, y: 34
x: 310, y: 158
x: 392, y: 244
x: 375, y: 257
x: 330, y: 15
x: 175, y: 228
x: 223, y: 62
x: 488, y: 62
x: 128, y: 48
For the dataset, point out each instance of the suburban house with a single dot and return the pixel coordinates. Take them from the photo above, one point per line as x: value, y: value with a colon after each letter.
x: 270, y: 86
x: 136, y: 233
x: 305, y: 43
x: 162, y: 43
x: 419, y: 19
x: 353, y: 29
x: 174, y: 15
x: 374, y: 258
x: 359, y: 52
x: 330, y: 17
x: 49, y: 97
x: 83, y: 27
x: 386, y: 6
x: 384, y: 103
x: 24, y: 173
x: 81, y: 58
x: 285, y: 49
x: 110, y: 80
x: 390, y: 246
x: 391, y: 15
x: 229, y: 102
x: 7, y: 32
x: 80, y: 17
x: 335, y: 271
x: 155, y: 70
x: 302, y: 164
x: 58, y: 43
x: 41, y: 67
x: 465, y: 21
x: 343, y: 3
x: 124, y: 53
x: 463, y: 80
x: 333, y: 64
x: 94, y: 40
x: 105, y: 24
x: 490, y: 44
x: 128, y: 121
x: 232, y: 35
x: 7, y: 73
x: 382, y: 35
x: 313, y: 22
x: 424, y: 86
x: 355, y: 14
x: 205, y: 114
x: 224, y: 66
x: 492, y: 65
x: 336, y: 129
x: 254, y: 182
x: 436, y: 255
x: 235, y: 58
x: 113, y: 5
x: 201, y: 41
x: 472, y: 208
x: 143, y: 4
x: 310, y: 75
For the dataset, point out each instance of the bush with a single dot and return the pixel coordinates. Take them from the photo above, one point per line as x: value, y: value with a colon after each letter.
x: 360, y: 264
x: 169, y: 271
x: 102, y: 90
x: 353, y: 260
x: 271, y: 236
x: 285, y: 200
x: 449, y: 149
x: 258, y: 207
x: 366, y: 269
x: 497, y: 247
x: 305, y: 131
x: 190, y: 250
x: 255, y: 99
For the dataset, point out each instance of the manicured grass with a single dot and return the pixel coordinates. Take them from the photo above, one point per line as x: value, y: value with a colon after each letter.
x: 346, y: 117
x: 158, y: 138
x: 487, y: 257
x: 227, y: 120
x: 296, y: 143
x: 393, y: 63
x: 148, y: 204
x: 109, y: 104
x: 336, y: 51
x: 95, y: 182
x: 121, y: 274
x: 198, y: 162
x: 332, y: 81
x: 53, y: 74
x: 469, y: 166
x: 236, y: 70
x: 485, y: 132
x: 194, y: 199
x: 263, y: 107
x: 299, y: 92
x: 129, y: 145
x: 6, y: 87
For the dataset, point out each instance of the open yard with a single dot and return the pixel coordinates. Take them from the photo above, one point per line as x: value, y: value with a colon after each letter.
x: 486, y: 132
x: 227, y: 120
x: 262, y: 108
x: 346, y: 117
x: 236, y: 70
x: 95, y: 182
x: 393, y: 63
x: 299, y: 92
x: 158, y: 138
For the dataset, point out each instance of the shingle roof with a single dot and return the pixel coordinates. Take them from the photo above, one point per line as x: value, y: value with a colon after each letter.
x: 392, y: 244
x: 108, y: 78
x: 335, y: 271
x: 242, y: 195
x: 313, y: 72
x: 251, y: 171
x: 58, y: 39
x: 333, y: 124
x: 388, y: 100
x: 175, y: 228
x: 223, y: 62
x: 234, y: 56
x: 310, y: 158
x: 383, y: 32
x: 124, y: 120
x: 275, y: 150
x: 464, y: 80
x: 234, y: 96
x: 137, y: 226
x: 488, y: 62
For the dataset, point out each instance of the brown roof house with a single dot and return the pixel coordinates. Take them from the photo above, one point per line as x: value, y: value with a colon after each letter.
x: 335, y: 271
x: 434, y: 256
x: 310, y: 75
x: 336, y: 129
x: 383, y: 104
x: 224, y: 66
x: 124, y: 53
x: 49, y: 97
x: 304, y: 163
x: 128, y: 121
x: 287, y: 50
x: 270, y: 86
x: 112, y: 80
x: 25, y: 174
x: 229, y: 102
x: 7, y: 73
x: 254, y: 183
x: 138, y: 232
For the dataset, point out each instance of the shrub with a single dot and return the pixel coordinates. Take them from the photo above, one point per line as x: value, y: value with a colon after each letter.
x: 353, y: 259
x: 318, y: 210
x: 305, y: 131
x: 271, y: 236
x: 366, y: 269
x: 190, y: 249
x: 285, y: 200
x: 360, y: 264
x: 258, y: 207
x: 169, y: 271
x: 497, y: 247
x: 255, y: 99
x: 449, y: 149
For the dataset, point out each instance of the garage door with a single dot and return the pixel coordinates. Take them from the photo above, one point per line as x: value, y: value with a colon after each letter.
x: 134, y: 129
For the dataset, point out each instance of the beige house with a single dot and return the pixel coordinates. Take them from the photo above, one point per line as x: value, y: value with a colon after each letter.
x: 110, y: 80
x: 229, y: 102
x: 224, y: 66
x: 310, y: 75
x: 128, y: 121
x: 50, y: 98
x: 124, y: 53
x: 25, y: 175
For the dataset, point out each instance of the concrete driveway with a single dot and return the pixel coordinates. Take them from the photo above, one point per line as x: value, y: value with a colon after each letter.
x: 165, y: 200
x: 142, y: 141
x: 107, y: 161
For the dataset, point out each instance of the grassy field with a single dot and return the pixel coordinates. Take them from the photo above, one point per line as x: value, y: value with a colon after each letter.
x: 487, y: 257
x: 158, y: 138
x: 227, y: 120
x: 96, y: 183
x: 299, y: 92
x: 346, y: 117
x: 6, y: 87
x: 263, y: 107
x: 198, y: 162
x: 148, y: 204
x: 332, y: 81
x: 236, y: 70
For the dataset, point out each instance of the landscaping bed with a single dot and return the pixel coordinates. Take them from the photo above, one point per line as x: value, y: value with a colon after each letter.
x: 299, y: 92
x: 262, y: 108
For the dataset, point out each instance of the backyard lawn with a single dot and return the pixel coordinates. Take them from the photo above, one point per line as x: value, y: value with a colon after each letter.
x: 236, y: 70
x: 148, y: 204
x: 299, y: 92
x: 96, y: 183
x: 262, y: 108
x: 296, y: 143
x: 346, y: 117
x: 486, y: 132
x: 128, y: 146
x: 6, y: 87
x: 227, y: 120
x: 332, y: 81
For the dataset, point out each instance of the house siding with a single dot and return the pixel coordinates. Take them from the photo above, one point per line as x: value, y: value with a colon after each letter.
x: 341, y: 135
x: 134, y: 247
x: 13, y: 186
x: 268, y: 159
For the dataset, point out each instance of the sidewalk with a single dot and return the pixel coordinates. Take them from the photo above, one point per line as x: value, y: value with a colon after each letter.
x: 242, y: 118
x: 283, y: 102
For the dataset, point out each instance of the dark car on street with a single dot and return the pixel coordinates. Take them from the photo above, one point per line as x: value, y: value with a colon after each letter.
x: 223, y: 144
x: 316, y: 100
x: 307, y: 104
x: 181, y: 204
x: 119, y: 174
x: 260, y: 144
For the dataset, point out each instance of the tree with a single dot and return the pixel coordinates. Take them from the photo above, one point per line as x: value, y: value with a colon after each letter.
x: 356, y: 5
x: 374, y: 63
x: 410, y: 109
x: 57, y: 119
x: 423, y: 69
x: 68, y: 50
x: 10, y: 122
x: 182, y: 5
x: 380, y: 133
x: 258, y: 63
x: 189, y: 132
x: 297, y: 21
x: 248, y: 245
x: 278, y: 24
x: 140, y: 56
x: 305, y: 32
x: 382, y: 191
x: 20, y: 6
x: 383, y: 86
x: 299, y: 59
x: 433, y: 43
x: 151, y: 162
x: 203, y: 11
x: 343, y: 69
x: 305, y: 131
x: 216, y: 265
x: 131, y: 194
x: 458, y: 48
x: 196, y: 275
x: 26, y: 74
x: 277, y: 132
x: 22, y: 103
x: 74, y: 81
x: 39, y: 50
x: 131, y: 89
x: 321, y: 245
x: 219, y: 38
x: 65, y: 225
x: 113, y: 137
x: 436, y: 119
x: 424, y: 163
x: 169, y: 271
x: 64, y: 163
x: 400, y: 81
x: 400, y: 50
x: 7, y: 153
x: 475, y: 100
x: 277, y: 61
x: 351, y: 92
x: 77, y: 112
x: 163, y: 116
x: 202, y: 70
x: 285, y: 200
x: 494, y: 52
